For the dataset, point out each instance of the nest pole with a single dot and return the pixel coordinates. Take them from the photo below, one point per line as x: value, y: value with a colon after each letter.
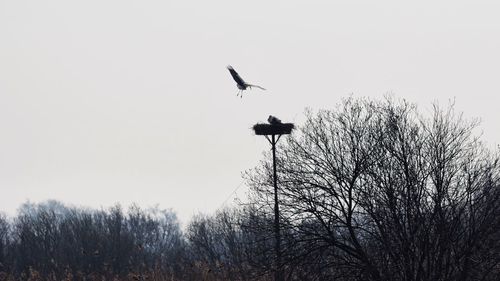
x: 275, y: 130
x: 278, y: 273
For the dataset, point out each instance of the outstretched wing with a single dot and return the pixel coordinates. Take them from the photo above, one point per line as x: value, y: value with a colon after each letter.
x: 236, y: 76
x: 256, y: 86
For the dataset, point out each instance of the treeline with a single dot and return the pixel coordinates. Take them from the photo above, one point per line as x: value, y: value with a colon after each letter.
x: 53, y: 242
x: 50, y: 241
x: 370, y: 191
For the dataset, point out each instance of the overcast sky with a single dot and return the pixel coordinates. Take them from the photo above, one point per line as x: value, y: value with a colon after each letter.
x: 130, y: 101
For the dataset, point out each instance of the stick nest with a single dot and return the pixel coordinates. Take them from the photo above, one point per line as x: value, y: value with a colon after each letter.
x: 273, y: 129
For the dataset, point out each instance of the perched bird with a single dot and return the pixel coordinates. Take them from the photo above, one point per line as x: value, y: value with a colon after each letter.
x: 242, y: 85
x: 273, y: 120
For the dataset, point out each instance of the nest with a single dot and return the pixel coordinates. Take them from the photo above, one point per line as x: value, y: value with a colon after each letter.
x: 274, y: 129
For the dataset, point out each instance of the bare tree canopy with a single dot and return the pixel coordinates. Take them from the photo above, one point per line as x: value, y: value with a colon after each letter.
x: 380, y: 192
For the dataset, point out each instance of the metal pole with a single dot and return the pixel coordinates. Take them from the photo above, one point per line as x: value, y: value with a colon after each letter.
x: 278, y: 274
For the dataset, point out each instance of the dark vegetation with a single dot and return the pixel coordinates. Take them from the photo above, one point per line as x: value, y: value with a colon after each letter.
x: 369, y: 191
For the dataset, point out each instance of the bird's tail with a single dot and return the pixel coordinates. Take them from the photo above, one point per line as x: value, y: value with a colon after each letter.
x: 256, y: 86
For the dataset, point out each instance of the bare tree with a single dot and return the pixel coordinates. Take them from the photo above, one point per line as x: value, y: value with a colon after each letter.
x: 233, y: 244
x: 388, y: 194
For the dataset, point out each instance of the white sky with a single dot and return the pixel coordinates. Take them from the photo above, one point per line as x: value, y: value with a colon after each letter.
x: 130, y: 101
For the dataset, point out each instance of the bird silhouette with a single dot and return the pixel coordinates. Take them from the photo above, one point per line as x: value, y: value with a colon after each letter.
x: 240, y: 83
x: 273, y: 120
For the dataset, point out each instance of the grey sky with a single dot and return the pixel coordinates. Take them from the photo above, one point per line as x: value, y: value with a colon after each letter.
x: 130, y: 101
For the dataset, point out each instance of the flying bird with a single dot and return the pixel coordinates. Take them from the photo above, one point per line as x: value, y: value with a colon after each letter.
x: 240, y: 83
